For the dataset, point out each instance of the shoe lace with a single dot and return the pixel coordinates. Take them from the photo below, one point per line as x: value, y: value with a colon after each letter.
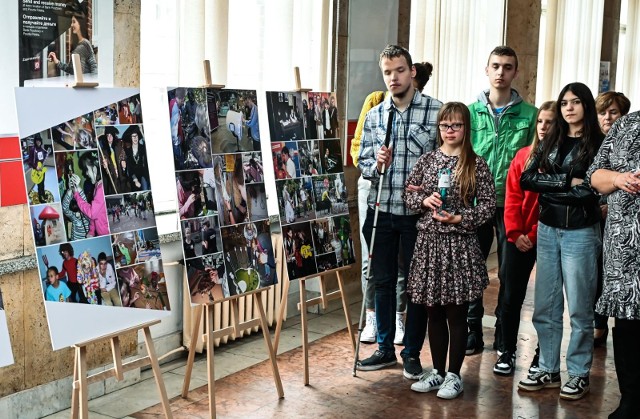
x: 574, y: 382
x: 505, y: 358
x: 450, y: 381
x: 432, y: 379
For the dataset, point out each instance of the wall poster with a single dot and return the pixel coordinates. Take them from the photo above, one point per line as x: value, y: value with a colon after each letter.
x: 91, y: 210
x: 310, y: 184
x: 222, y: 202
x: 6, y: 355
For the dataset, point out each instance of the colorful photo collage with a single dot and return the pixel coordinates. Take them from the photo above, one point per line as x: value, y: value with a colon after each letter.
x: 221, y: 196
x: 310, y: 183
x: 91, y: 210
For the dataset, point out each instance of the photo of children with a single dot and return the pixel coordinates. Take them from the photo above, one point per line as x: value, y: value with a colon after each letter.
x: 285, y: 116
x: 79, y: 180
x: 130, y: 211
x: 249, y: 258
x: 113, y: 159
x: 190, y: 131
x: 331, y: 159
x: 143, y: 286
x: 73, y: 266
x: 75, y: 134
x: 196, y: 193
x: 41, y: 188
x: 257, y: 201
x: 148, y: 244
x: 47, y: 223
x: 231, y: 194
x: 201, y: 236
x: 309, y: 155
x: 295, y: 200
x: 333, y: 243
x: 235, y: 126
x: 125, y: 250
x: 252, y: 166
x: 107, y: 115
x: 299, y: 251
x: 330, y: 194
x: 207, y: 279
x: 286, y: 161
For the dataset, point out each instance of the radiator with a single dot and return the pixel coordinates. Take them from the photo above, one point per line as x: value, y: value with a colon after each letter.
x: 222, y: 312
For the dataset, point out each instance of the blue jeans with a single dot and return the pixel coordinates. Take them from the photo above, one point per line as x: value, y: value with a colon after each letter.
x: 391, y: 232
x: 569, y: 258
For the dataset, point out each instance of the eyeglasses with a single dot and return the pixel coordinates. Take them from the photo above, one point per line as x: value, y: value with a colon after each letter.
x: 454, y: 127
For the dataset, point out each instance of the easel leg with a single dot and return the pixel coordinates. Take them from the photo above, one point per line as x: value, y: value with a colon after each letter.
x: 267, y: 340
x: 195, y: 334
x: 76, y: 390
x: 345, y: 306
x: 281, y: 311
x: 81, y: 353
x: 305, y: 335
x: 151, y: 351
x: 211, y: 377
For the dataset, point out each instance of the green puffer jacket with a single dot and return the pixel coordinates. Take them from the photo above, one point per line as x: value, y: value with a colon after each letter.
x: 516, y: 127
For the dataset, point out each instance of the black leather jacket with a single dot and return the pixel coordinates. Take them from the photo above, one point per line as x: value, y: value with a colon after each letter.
x: 562, y: 205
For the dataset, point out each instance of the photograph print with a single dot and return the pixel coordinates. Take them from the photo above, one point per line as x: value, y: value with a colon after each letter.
x: 125, y: 249
x: 107, y: 115
x: 257, y: 201
x: 234, y: 120
x: 252, y: 166
x: 207, y: 276
x: 333, y: 242
x: 299, y: 251
x: 309, y: 157
x: 82, y: 190
x: 249, y: 257
x: 231, y: 193
x: 201, y: 236
x: 130, y: 111
x: 196, y: 191
x: 148, y: 244
x: 48, y: 223
x: 295, y: 200
x: 331, y: 153
x: 321, y: 109
x: 190, y: 130
x: 75, y: 134
x: 144, y: 286
x: 131, y: 211
x: 39, y: 169
x: 285, y: 116
x: 286, y: 160
x: 330, y: 195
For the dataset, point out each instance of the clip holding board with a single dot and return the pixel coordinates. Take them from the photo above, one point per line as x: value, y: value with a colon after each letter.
x: 80, y: 394
x: 78, y: 74
x: 322, y: 300
x: 207, y: 311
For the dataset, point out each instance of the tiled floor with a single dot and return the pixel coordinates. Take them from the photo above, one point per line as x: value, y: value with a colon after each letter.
x: 244, y: 384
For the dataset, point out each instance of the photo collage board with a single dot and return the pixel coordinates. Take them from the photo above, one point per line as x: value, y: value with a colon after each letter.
x: 310, y: 183
x: 91, y: 209
x: 221, y: 197
x: 6, y: 355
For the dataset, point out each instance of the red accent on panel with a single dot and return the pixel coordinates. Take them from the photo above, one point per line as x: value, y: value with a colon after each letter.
x: 351, y: 129
x: 12, y: 189
x: 10, y: 148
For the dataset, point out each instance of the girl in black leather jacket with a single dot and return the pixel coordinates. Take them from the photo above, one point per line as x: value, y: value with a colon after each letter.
x: 568, y: 241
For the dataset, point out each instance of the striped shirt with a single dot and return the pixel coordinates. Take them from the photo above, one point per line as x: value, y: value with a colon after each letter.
x: 413, y: 134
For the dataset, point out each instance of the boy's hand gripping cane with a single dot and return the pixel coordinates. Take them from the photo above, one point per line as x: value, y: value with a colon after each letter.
x: 373, y: 236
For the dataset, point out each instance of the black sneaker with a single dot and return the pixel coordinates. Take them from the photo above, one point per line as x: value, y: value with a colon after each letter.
x: 505, y: 364
x: 474, y: 343
x: 412, y: 368
x: 540, y: 380
x: 377, y: 361
x: 575, y: 388
x: 535, y: 364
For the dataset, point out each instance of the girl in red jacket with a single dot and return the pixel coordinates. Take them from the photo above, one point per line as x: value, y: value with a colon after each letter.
x: 521, y: 223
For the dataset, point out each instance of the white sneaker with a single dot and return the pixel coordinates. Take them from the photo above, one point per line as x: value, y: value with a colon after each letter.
x: 428, y: 382
x: 370, y: 332
x: 399, y: 329
x: 451, y: 388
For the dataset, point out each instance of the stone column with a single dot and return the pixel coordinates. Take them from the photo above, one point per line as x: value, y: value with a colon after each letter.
x: 610, y: 35
x: 126, y: 40
x: 522, y: 33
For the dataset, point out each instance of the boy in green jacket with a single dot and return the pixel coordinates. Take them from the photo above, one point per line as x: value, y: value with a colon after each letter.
x: 501, y: 124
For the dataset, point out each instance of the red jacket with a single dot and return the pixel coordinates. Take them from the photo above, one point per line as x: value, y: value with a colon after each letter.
x: 520, y: 207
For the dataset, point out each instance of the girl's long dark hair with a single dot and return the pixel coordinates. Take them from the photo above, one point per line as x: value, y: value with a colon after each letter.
x: 591, y: 134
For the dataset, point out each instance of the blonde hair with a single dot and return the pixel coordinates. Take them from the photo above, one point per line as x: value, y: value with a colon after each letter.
x: 465, y: 171
x: 549, y: 105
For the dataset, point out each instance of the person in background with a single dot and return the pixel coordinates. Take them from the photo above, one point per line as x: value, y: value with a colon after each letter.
x: 108, y: 283
x: 521, y: 225
x: 37, y: 157
x: 56, y: 290
x: 615, y: 173
x: 80, y: 45
x: 370, y: 331
x: 568, y: 242
x: 396, y: 224
x: 610, y: 106
x: 502, y: 123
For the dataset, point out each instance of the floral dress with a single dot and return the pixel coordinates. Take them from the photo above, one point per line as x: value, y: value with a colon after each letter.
x: 620, y: 152
x: 447, y: 265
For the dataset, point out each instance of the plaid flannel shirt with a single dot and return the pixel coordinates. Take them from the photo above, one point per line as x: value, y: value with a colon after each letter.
x: 413, y: 133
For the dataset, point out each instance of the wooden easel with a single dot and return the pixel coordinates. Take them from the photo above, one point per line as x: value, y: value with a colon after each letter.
x: 78, y: 75
x: 79, y: 397
x: 305, y: 303
x: 206, y: 64
x: 207, y: 310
